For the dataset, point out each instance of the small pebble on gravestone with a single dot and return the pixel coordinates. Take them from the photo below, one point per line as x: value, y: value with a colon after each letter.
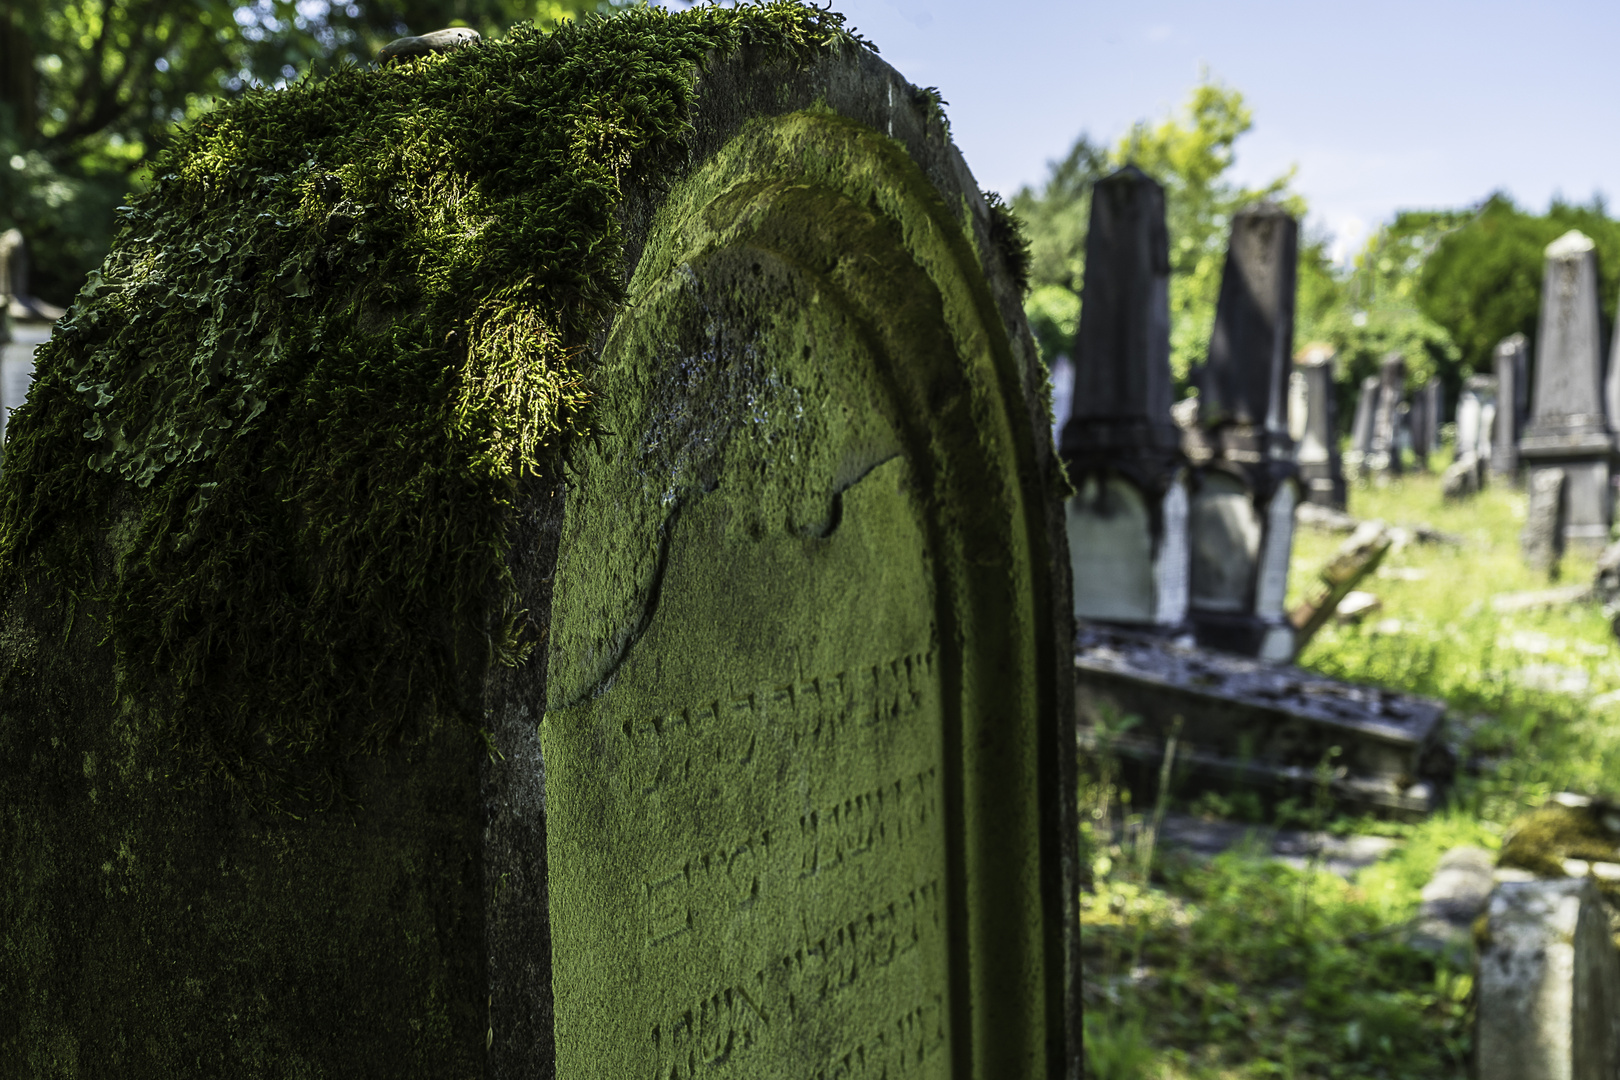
x: 425, y: 44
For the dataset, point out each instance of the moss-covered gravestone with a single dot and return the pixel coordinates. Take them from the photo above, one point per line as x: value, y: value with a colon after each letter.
x: 544, y: 560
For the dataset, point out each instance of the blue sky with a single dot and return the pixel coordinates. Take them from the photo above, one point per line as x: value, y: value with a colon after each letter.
x: 1381, y: 105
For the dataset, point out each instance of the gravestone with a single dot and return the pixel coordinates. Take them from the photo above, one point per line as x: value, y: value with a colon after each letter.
x: 1361, y: 427
x: 1383, y: 452
x: 1512, y: 385
x: 1127, y: 521
x: 731, y: 750
x: 1542, y: 539
x: 1569, y: 428
x: 1548, y: 984
x: 1424, y: 421
x: 1240, y: 527
x: 1317, y: 438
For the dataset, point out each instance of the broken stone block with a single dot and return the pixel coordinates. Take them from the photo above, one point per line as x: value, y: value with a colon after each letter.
x: 1548, y: 986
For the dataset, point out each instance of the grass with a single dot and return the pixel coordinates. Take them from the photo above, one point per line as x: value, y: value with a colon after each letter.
x: 1242, y: 967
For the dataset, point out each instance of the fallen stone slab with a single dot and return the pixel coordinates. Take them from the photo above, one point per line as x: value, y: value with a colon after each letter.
x: 1542, y: 598
x: 1253, y: 722
x: 1452, y: 900
x: 1326, y: 519
x: 1205, y: 838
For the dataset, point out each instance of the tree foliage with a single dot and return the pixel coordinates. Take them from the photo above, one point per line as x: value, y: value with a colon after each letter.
x: 1482, y: 280
x: 90, y: 89
x: 1191, y: 154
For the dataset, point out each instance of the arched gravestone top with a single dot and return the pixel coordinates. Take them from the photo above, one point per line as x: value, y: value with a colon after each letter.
x: 566, y: 581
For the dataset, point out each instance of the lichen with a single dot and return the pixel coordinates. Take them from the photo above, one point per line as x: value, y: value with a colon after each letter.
x: 297, y: 400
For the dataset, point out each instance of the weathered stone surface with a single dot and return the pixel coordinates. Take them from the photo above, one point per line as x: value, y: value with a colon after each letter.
x: 1259, y: 723
x: 1548, y: 988
x: 1246, y: 485
x: 1542, y: 539
x: 1128, y: 520
x: 1569, y: 426
x: 783, y: 777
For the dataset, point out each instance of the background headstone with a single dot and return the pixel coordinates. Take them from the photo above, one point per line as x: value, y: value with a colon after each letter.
x: 1361, y: 427
x: 1127, y: 522
x: 1512, y: 395
x: 775, y: 762
x: 1424, y: 421
x: 1317, y: 437
x: 1240, y: 525
x: 1569, y: 428
x: 1548, y: 987
x: 1542, y: 539
x: 1383, y: 452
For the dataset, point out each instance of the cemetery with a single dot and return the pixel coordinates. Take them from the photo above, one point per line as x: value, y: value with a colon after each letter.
x: 594, y: 548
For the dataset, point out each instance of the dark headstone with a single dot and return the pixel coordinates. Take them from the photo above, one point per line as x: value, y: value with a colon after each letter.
x: 1512, y: 392
x: 1424, y: 422
x: 772, y: 774
x: 1317, y: 441
x: 1542, y: 539
x: 1569, y: 428
x: 1383, y: 453
x: 1240, y: 528
x: 1127, y: 522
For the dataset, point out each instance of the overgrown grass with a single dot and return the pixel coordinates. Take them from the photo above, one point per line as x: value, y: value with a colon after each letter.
x: 1243, y: 967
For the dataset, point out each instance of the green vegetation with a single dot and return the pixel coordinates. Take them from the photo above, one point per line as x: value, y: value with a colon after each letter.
x: 1240, y: 967
x: 347, y: 321
x: 90, y: 89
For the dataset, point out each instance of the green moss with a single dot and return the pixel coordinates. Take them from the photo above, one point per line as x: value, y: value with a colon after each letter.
x: 298, y: 399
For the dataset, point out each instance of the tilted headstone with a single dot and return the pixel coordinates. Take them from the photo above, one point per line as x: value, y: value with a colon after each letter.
x: 1240, y: 528
x: 1383, y: 452
x: 1317, y: 438
x: 1512, y: 383
x: 1548, y: 987
x: 741, y: 746
x: 1569, y: 428
x: 1127, y: 522
x: 1361, y: 427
